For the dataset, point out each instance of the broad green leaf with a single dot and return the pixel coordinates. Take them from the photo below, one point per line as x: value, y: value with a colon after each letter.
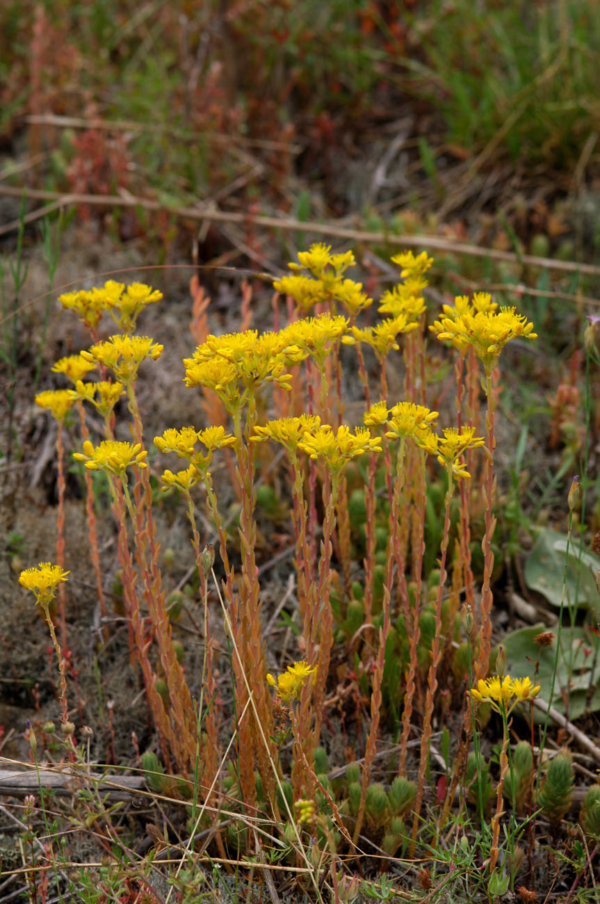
x: 544, y: 571
x: 578, y: 666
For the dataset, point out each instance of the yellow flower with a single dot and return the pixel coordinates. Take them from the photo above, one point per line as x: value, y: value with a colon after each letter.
x: 351, y: 296
x: 407, y: 419
x: 500, y: 691
x: 404, y: 299
x: 314, y: 335
x: 124, y: 306
x: 337, y: 449
x: 111, y: 456
x: 454, y: 444
x: 305, y: 291
x: 88, y: 305
x: 383, y: 337
x: 377, y: 415
x: 217, y: 374
x: 183, y: 480
x: 223, y: 362
x: 58, y: 401
x: 322, y: 263
x: 43, y: 581
x: 496, y: 689
x: 124, y: 354
x: 524, y: 689
x: 182, y: 442
x: 289, y: 685
x: 289, y: 431
x: 108, y: 394
x: 216, y: 438
x: 486, y: 331
x: 411, y: 265
x: 74, y: 367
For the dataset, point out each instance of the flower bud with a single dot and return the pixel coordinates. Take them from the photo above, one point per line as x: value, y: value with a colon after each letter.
x: 87, y: 733
x: 501, y: 661
x: 467, y: 619
x: 207, y: 559
x: 49, y: 728
x: 32, y: 741
x: 67, y: 729
x: 574, y: 493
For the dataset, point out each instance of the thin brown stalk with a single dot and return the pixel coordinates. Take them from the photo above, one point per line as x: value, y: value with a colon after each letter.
x: 432, y: 683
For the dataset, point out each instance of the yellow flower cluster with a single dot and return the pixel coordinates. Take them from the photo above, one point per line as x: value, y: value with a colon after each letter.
x: 416, y: 421
x: 289, y: 685
x: 183, y: 441
x: 477, y: 324
x: 43, y: 581
x: 500, y: 691
x: 314, y: 336
x: 289, y: 431
x: 123, y: 355
x: 407, y: 419
x: 111, y: 456
x: 122, y: 303
x: 407, y: 298
x: 183, y: 480
x: 108, y: 394
x: 223, y: 362
x: 411, y: 265
x: 75, y: 367
x: 305, y: 810
x: 338, y: 448
x: 384, y: 336
x: 58, y: 401
x: 326, y: 283
x: 89, y: 305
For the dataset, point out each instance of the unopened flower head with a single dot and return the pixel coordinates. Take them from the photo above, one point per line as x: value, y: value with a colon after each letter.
x: 43, y: 581
x: 289, y: 431
x: 111, y: 456
x: 338, y: 448
x: 75, y: 367
x: 57, y: 401
x: 124, y: 354
x: 289, y: 685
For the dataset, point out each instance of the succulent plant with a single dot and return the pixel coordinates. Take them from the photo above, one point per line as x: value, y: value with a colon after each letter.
x: 554, y: 797
x: 518, y: 781
x: 402, y: 796
x: 590, y: 813
x: 154, y: 772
